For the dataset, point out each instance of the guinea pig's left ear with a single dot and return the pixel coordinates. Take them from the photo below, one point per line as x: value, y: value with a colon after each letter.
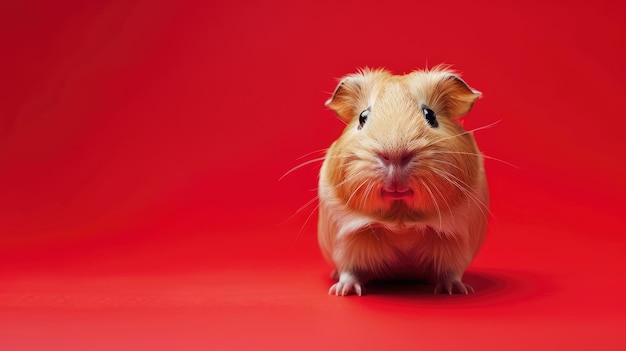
x: 344, y: 97
x: 447, y: 92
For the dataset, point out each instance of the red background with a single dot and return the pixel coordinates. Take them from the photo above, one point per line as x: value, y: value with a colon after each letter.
x: 141, y: 143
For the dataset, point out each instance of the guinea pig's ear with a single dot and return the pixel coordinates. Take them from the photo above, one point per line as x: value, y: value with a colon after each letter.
x: 344, y: 98
x: 446, y: 92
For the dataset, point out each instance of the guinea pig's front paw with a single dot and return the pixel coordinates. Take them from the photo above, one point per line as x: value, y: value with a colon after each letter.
x: 453, y: 287
x: 347, y: 284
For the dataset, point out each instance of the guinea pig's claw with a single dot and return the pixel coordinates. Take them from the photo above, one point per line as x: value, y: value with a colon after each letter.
x: 358, y: 289
x: 346, y: 288
x: 453, y: 287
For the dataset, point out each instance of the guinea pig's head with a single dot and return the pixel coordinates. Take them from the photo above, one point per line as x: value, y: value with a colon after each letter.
x: 402, y: 156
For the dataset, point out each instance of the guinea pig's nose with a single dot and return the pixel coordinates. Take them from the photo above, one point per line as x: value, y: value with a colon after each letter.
x: 401, y: 158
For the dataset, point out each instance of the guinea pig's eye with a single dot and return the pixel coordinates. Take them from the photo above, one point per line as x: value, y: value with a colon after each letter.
x: 363, y: 117
x: 430, y: 116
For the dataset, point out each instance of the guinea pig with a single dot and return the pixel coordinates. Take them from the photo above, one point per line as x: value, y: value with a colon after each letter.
x: 402, y: 192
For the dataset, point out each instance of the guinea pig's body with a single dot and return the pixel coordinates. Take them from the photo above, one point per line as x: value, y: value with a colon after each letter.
x: 403, y: 192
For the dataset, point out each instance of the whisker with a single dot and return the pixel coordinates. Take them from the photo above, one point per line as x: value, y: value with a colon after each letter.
x: 355, y: 191
x: 501, y: 161
x: 481, y: 205
x: 348, y: 179
x: 312, y: 152
x: 477, y: 155
x: 432, y: 196
x: 307, y: 204
x: 319, y: 159
x: 373, y: 232
x: 307, y: 221
x: 467, y: 132
x: 443, y: 198
x: 468, y: 194
x: 451, y: 175
x: 447, y: 163
x: 367, y: 192
x: 465, y: 192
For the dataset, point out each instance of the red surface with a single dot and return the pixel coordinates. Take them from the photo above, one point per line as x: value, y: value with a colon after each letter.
x: 141, y: 144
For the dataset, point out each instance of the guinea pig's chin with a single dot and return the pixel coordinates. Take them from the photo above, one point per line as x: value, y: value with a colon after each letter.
x: 398, y: 211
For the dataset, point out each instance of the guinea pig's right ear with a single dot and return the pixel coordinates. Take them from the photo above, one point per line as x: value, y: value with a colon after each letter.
x: 345, y: 97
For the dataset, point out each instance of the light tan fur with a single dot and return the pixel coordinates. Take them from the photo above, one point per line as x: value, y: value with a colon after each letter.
x: 436, y: 232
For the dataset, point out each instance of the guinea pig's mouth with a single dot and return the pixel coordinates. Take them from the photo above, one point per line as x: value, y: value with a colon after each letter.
x: 397, y: 195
